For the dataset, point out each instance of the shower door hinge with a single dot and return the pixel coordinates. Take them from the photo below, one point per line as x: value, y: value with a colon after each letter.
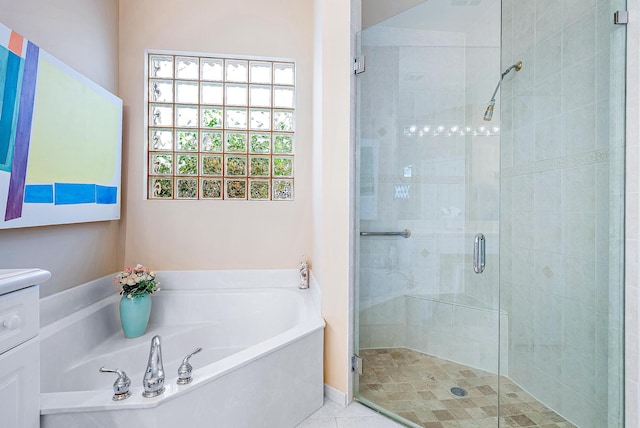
x: 356, y: 364
x: 621, y: 17
x: 358, y: 65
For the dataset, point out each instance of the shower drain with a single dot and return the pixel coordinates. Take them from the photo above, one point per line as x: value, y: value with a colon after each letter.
x: 459, y: 392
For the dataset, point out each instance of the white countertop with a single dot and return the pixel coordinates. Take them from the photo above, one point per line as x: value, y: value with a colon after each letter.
x: 16, y: 279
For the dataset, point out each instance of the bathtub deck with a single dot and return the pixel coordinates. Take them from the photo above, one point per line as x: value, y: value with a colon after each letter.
x: 253, y: 328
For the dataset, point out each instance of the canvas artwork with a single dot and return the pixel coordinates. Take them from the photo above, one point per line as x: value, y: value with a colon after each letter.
x: 60, y: 140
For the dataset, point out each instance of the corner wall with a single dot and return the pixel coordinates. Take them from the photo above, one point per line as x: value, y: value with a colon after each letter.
x: 215, y: 234
x: 84, y: 35
x: 332, y: 173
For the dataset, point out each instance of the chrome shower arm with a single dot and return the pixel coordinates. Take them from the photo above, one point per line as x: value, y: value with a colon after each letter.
x: 488, y: 114
x: 517, y: 66
x: 493, y: 97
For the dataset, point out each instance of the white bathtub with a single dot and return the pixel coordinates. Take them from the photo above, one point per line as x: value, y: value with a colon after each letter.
x: 261, y: 364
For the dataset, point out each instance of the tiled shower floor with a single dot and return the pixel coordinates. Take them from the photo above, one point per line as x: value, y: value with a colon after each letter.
x: 417, y: 387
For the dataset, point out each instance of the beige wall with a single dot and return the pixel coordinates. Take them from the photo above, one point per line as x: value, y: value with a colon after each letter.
x: 332, y: 170
x: 83, y: 34
x: 192, y: 235
x: 245, y: 235
x: 215, y: 234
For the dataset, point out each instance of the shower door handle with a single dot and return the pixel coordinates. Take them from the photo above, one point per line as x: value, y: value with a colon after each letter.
x: 479, y: 253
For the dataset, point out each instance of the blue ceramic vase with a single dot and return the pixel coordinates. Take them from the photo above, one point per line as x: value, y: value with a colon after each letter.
x: 134, y: 314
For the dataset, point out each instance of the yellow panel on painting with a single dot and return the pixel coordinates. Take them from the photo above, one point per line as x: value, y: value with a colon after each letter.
x: 73, y: 133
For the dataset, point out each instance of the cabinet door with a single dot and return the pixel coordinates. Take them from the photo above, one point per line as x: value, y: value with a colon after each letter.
x: 20, y: 386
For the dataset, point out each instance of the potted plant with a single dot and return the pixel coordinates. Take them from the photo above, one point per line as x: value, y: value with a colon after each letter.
x: 136, y: 285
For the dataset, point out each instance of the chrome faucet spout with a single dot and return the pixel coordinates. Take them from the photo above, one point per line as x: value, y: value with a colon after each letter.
x: 153, y: 381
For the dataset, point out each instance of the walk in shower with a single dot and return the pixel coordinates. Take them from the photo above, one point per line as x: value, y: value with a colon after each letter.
x: 490, y: 173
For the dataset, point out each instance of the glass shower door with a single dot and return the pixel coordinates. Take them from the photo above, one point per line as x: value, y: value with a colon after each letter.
x: 537, y: 338
x: 562, y: 213
x: 427, y: 324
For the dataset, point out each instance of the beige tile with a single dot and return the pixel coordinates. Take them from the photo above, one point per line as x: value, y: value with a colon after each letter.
x: 510, y: 396
x: 539, y: 419
x: 418, y: 387
x: 400, y: 406
x: 482, y: 401
x: 383, y: 378
x: 373, y: 386
x: 536, y: 406
x: 466, y: 402
x: 510, y: 409
x: 509, y: 422
x: 486, y: 390
x: 460, y: 413
x: 425, y: 416
x: 443, y: 415
x: 468, y: 373
x: 487, y: 423
x: 410, y: 416
x: 476, y: 413
x: 490, y: 410
x: 432, y: 425
x: 452, y: 424
x: 406, y: 387
x: 451, y: 404
x: 403, y: 395
x: 522, y: 420
x: 552, y: 417
x: 435, y: 405
x: 442, y: 393
x: 427, y: 395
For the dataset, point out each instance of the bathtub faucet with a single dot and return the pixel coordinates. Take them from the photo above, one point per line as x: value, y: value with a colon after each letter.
x: 153, y: 381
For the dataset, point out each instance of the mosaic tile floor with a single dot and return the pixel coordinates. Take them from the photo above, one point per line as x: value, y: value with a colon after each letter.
x: 417, y: 387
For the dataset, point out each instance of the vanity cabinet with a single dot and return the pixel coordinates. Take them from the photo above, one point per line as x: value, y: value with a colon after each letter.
x: 19, y: 347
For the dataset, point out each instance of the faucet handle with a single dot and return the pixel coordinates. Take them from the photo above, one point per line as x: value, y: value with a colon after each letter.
x: 185, y: 369
x: 121, y: 385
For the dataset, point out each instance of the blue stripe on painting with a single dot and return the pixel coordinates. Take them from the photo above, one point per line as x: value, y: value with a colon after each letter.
x: 71, y: 193
x: 106, y: 194
x: 9, y: 97
x: 38, y: 194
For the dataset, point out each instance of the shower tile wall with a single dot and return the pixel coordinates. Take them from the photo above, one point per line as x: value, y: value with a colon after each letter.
x: 558, y: 283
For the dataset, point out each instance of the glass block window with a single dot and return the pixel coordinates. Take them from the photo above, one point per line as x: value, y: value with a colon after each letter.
x: 220, y: 128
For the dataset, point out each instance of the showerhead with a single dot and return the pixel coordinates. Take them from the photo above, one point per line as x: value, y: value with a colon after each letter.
x: 488, y: 114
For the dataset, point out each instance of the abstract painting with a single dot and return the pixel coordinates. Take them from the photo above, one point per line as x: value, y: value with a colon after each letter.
x: 60, y: 140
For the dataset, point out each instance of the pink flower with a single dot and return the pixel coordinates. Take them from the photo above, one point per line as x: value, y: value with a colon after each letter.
x: 133, y: 278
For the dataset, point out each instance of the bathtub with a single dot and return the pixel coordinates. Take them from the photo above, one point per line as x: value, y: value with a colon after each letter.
x: 261, y: 364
